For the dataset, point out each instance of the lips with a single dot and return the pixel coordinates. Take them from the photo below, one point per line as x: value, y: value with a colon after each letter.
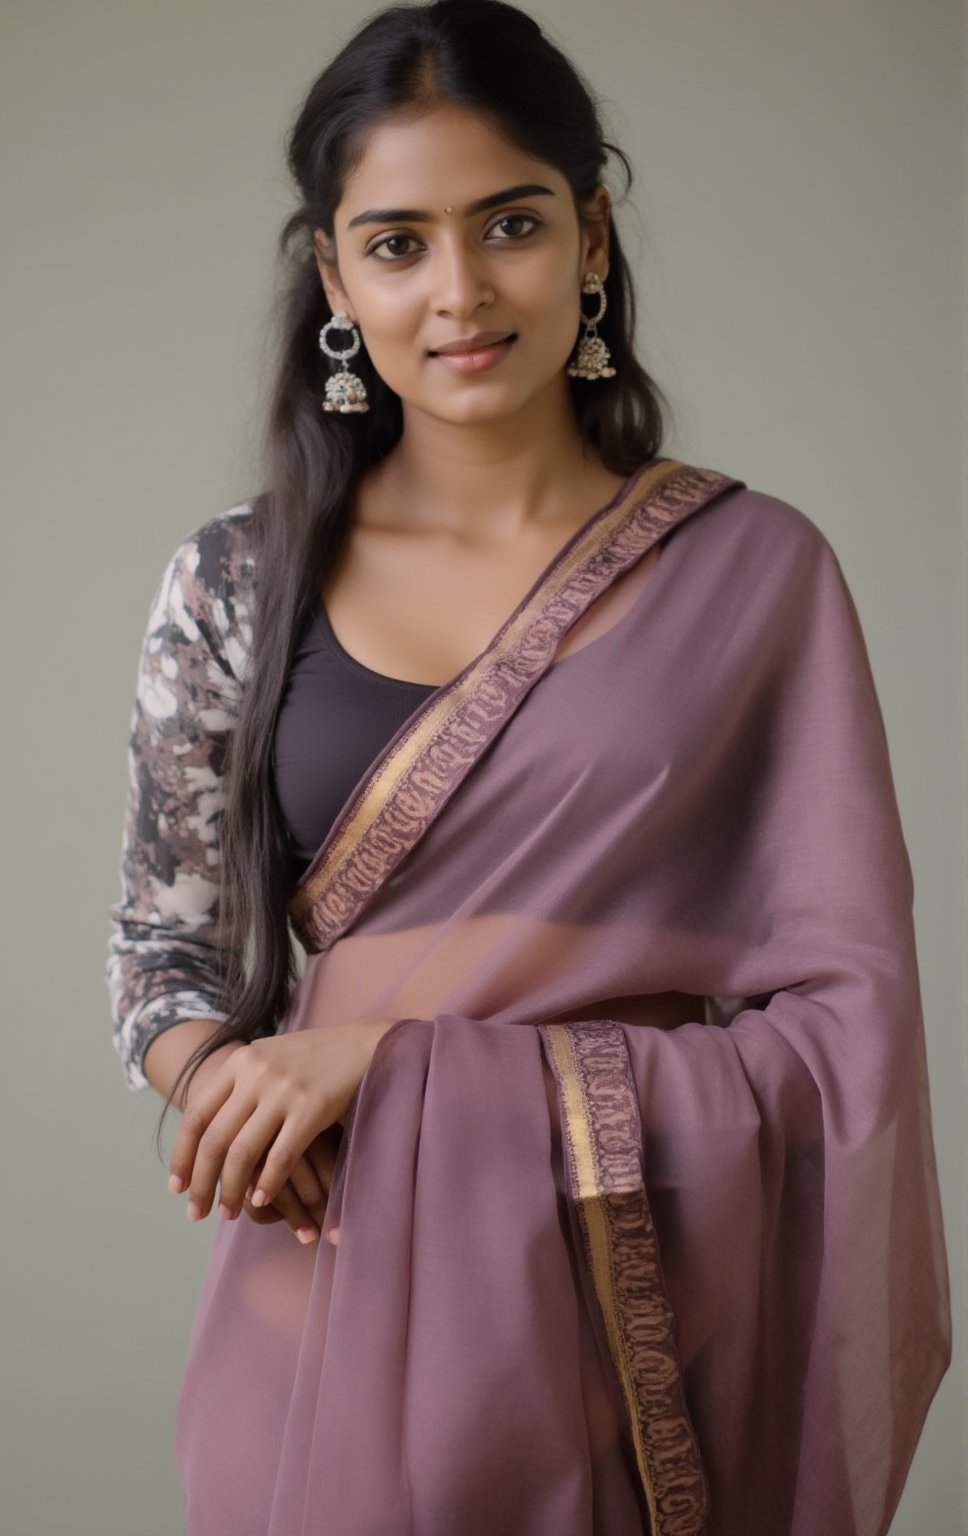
x: 478, y: 360
x: 472, y: 343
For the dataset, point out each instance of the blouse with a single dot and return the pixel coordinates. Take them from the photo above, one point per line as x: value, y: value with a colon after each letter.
x: 335, y: 717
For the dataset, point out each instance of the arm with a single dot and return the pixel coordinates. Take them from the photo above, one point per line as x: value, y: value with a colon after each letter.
x: 167, y: 1052
x: 164, y: 968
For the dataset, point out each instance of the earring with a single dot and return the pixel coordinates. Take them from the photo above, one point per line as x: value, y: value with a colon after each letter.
x: 345, y: 391
x: 591, y: 361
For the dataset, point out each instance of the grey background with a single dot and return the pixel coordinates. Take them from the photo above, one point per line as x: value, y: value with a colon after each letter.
x: 798, y: 236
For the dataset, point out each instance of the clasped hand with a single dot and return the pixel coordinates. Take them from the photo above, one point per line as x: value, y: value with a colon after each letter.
x: 267, y: 1103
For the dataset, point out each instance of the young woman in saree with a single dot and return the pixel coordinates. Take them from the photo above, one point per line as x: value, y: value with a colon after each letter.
x: 599, y: 1103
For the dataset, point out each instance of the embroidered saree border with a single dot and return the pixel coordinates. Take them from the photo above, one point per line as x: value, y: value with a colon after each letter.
x: 417, y: 774
x: 602, y: 1140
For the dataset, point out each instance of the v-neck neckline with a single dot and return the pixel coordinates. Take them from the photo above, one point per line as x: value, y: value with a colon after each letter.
x: 451, y: 728
x: 321, y: 614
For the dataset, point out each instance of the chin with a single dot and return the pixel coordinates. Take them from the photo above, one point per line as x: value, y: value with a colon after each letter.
x: 481, y: 402
x: 485, y: 399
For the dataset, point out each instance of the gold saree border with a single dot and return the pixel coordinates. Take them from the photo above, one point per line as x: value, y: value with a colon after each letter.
x: 601, y: 1135
x: 416, y: 775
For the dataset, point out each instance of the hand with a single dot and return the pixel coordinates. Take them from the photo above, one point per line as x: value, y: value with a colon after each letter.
x: 266, y: 1103
x: 301, y: 1202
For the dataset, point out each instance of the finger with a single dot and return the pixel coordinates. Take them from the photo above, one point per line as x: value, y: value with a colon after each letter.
x: 229, y: 1150
x: 195, y: 1119
x: 294, y: 1213
x: 293, y: 1137
x: 307, y: 1185
x: 247, y: 1150
x: 322, y: 1153
x: 309, y: 1202
x: 287, y: 1207
x: 263, y: 1215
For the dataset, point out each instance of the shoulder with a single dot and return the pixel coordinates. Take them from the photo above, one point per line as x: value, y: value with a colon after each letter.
x: 766, y: 579
x: 206, y: 593
x: 218, y: 556
x: 761, y: 518
x: 762, y: 539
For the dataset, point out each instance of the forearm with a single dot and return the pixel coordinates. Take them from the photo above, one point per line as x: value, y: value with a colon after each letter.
x: 168, y: 1052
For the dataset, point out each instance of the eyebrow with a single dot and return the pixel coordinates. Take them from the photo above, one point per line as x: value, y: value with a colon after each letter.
x: 480, y: 205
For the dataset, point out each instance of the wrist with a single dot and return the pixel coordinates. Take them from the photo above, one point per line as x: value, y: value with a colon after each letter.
x: 372, y: 1031
x: 169, y: 1050
x: 207, y: 1068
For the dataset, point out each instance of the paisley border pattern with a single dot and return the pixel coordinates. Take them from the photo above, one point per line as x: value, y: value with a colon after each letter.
x: 602, y: 1139
x: 416, y: 775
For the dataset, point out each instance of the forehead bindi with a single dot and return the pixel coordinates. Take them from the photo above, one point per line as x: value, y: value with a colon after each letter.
x: 444, y: 164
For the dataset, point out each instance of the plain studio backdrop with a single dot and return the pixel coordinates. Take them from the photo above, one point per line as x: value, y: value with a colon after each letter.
x: 796, y: 228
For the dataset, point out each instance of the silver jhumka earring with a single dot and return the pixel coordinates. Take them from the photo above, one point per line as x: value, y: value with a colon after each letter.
x: 592, y: 358
x: 345, y: 391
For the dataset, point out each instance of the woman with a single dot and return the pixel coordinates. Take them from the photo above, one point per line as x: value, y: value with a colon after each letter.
x: 604, y: 1078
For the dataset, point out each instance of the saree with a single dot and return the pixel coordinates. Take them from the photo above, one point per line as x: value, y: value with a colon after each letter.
x: 639, y: 1227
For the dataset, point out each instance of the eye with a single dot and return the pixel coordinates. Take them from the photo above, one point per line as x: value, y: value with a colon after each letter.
x: 512, y: 218
x: 388, y: 240
x: 506, y: 218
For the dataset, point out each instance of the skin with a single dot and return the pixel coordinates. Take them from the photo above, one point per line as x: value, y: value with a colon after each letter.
x: 302, y: 1201
x: 259, y: 1112
x: 489, y: 479
x: 488, y: 454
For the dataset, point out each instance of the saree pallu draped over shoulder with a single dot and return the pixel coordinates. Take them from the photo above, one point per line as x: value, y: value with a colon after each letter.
x: 638, y: 1210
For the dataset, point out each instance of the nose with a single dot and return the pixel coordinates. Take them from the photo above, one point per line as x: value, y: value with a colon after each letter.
x: 460, y: 280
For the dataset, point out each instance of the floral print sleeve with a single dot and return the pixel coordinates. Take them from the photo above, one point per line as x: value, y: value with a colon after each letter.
x: 162, y: 964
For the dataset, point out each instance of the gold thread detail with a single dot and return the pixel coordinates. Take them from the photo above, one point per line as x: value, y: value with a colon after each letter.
x: 597, y: 1236
x: 603, y: 1150
x: 387, y: 774
x: 411, y: 782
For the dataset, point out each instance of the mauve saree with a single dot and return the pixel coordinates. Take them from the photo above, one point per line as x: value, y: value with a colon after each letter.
x: 638, y: 1210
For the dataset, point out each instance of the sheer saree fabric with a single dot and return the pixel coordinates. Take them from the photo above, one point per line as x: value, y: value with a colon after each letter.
x: 638, y: 1211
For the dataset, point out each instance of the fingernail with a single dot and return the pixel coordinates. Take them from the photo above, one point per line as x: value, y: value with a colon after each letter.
x: 175, y: 1184
x: 333, y: 1235
x: 224, y: 1210
x: 194, y: 1210
x: 306, y: 1234
x: 259, y: 1198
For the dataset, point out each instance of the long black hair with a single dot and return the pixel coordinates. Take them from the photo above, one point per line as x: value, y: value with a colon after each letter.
x: 492, y: 58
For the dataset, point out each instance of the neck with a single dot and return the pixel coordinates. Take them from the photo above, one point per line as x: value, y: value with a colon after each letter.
x: 494, y: 478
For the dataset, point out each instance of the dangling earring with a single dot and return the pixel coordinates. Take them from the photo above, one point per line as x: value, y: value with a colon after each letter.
x: 593, y: 355
x: 345, y: 391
